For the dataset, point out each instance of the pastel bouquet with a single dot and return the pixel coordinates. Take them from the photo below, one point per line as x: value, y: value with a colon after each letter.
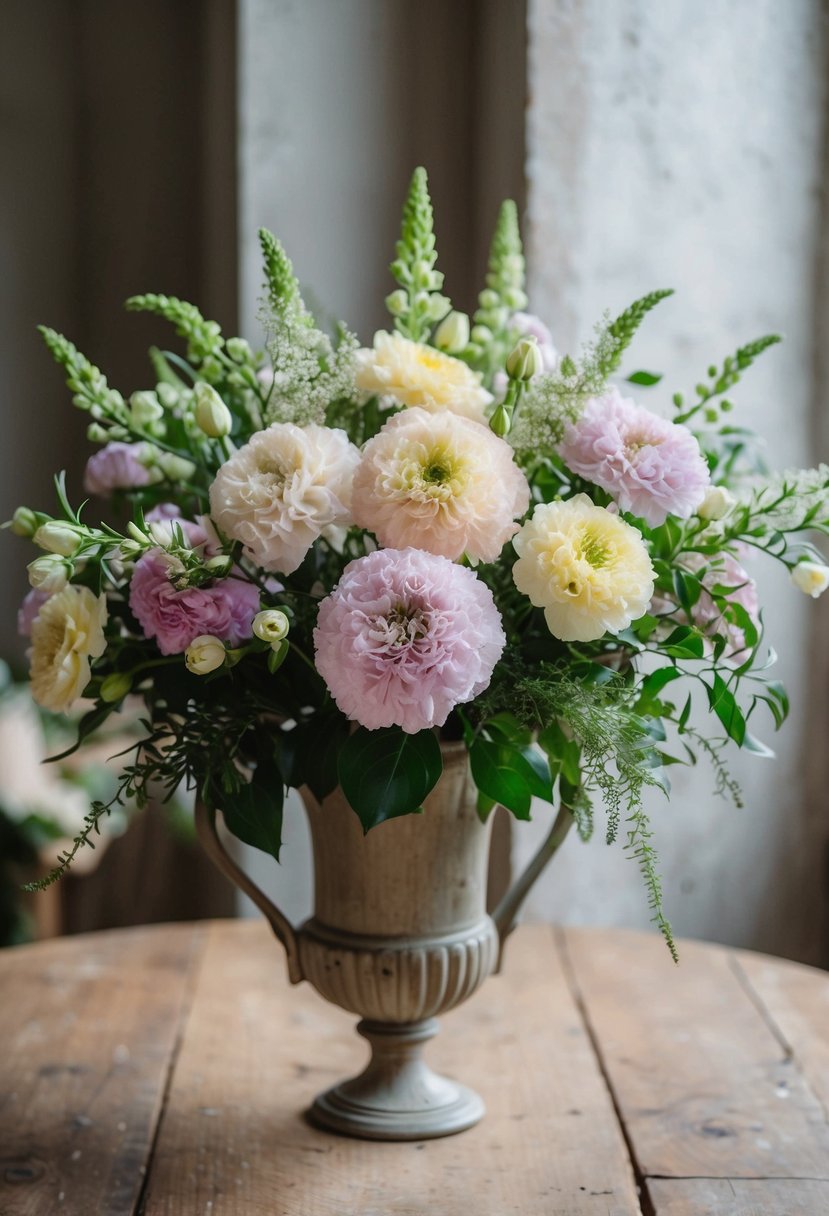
x: 338, y: 558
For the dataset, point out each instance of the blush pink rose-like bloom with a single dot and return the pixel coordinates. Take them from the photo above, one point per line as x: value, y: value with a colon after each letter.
x: 650, y: 466
x: 118, y: 466
x: 174, y: 618
x: 28, y: 610
x: 439, y: 482
x: 405, y: 637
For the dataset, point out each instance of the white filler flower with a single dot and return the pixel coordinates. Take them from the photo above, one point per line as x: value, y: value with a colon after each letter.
x: 588, y: 569
x: 280, y: 491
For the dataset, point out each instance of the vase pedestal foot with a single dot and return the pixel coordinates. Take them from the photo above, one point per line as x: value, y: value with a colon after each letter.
x: 397, y: 1097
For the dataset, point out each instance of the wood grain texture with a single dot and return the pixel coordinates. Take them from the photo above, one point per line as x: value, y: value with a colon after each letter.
x: 738, y: 1197
x: 702, y: 1082
x: 88, y: 1027
x: 231, y: 1142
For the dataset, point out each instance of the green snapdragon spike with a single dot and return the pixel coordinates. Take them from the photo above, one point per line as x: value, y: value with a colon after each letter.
x: 504, y: 294
x: 87, y: 383
x: 204, y: 338
x: 282, y: 284
x: 417, y: 305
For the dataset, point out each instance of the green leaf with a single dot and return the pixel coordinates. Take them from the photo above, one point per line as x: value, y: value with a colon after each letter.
x: 313, y: 750
x: 506, y: 775
x: 88, y: 723
x: 646, y: 379
x: 756, y: 746
x: 725, y: 706
x: 687, y: 589
x: 684, y: 643
x: 386, y: 773
x: 277, y: 656
x: 253, y: 813
x: 563, y: 754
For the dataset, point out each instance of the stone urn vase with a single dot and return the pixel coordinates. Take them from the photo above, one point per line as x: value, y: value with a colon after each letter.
x: 399, y: 934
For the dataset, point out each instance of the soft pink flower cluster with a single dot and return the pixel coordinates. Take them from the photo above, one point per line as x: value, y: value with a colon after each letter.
x: 405, y: 637
x: 726, y: 571
x: 650, y: 466
x: 224, y: 608
x: 118, y: 466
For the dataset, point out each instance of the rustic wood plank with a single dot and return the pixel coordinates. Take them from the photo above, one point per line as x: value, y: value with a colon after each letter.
x: 702, y: 1082
x: 88, y: 1027
x: 232, y: 1143
x: 796, y: 999
x: 738, y: 1197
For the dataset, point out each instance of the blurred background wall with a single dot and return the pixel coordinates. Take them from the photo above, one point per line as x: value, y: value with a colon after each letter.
x: 649, y: 142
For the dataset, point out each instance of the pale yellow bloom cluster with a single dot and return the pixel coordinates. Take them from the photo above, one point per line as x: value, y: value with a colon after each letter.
x: 588, y: 569
x: 415, y: 374
x: 67, y: 632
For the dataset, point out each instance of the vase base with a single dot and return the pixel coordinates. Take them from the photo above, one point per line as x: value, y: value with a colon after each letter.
x: 335, y: 1111
x: 397, y: 1097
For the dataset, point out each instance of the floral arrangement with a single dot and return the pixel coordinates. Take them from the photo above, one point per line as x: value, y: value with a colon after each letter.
x: 338, y: 556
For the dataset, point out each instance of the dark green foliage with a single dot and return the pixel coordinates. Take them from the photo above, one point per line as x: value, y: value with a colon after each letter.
x: 386, y: 773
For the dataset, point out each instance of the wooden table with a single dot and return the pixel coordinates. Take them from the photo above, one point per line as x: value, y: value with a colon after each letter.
x: 162, y: 1070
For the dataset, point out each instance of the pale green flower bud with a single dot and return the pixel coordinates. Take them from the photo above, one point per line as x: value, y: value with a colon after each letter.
x: 481, y: 334
x: 212, y: 415
x: 96, y: 433
x: 219, y: 565
x: 400, y: 271
x: 167, y: 394
x: 58, y: 537
x: 137, y: 535
x: 439, y: 306
x: 145, y: 408
x: 452, y: 335
x: 717, y: 503
x: 116, y: 686
x: 489, y: 298
x: 49, y: 573
x: 515, y: 298
x: 525, y: 360
x: 205, y: 653
x: 500, y: 422
x: 130, y: 549
x: 811, y: 578
x: 24, y: 522
x: 422, y: 272
x: 239, y: 349
x: 175, y: 468
x: 397, y: 303
x: 271, y: 625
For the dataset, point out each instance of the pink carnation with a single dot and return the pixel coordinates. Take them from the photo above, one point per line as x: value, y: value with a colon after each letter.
x: 724, y: 571
x: 174, y: 618
x: 116, y: 467
x: 405, y: 637
x: 28, y: 610
x: 649, y: 466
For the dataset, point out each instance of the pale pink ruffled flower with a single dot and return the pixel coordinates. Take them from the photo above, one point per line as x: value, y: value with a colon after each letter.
x: 405, y: 637
x: 282, y: 490
x: 33, y: 601
x: 439, y: 482
x: 174, y: 618
x: 118, y: 466
x: 650, y: 466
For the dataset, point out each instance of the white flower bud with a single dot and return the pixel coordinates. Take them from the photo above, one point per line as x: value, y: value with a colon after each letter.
x: 49, y: 573
x: 24, y: 522
x: 212, y: 415
x: 481, y: 334
x: 439, y: 306
x: 812, y: 578
x: 717, y: 503
x: 175, y: 468
x: 525, y: 360
x: 205, y: 653
x: 397, y: 303
x: 452, y: 335
x: 58, y: 537
x: 238, y: 349
x: 96, y: 433
x: 271, y: 625
x: 167, y: 394
x: 219, y: 565
x: 135, y: 532
x: 145, y: 408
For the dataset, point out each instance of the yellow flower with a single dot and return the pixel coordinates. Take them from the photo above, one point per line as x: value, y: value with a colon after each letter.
x: 588, y: 569
x: 415, y: 374
x: 67, y: 632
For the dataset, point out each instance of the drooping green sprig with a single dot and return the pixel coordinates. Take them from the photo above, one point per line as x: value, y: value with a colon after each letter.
x: 204, y: 338
x: 88, y: 384
x: 417, y: 305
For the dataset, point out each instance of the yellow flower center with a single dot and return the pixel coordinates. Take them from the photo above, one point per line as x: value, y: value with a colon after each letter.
x: 431, y: 359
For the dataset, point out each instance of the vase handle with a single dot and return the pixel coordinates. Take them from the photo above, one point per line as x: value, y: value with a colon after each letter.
x: 506, y: 912
x: 218, y: 854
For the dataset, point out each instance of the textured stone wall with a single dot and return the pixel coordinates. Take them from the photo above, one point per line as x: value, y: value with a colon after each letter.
x: 681, y: 144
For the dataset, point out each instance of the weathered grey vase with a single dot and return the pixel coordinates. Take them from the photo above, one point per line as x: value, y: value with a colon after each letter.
x: 399, y: 935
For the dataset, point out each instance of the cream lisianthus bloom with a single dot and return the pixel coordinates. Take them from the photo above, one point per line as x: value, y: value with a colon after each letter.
x: 588, y: 569
x: 441, y: 483
x: 66, y: 633
x: 283, y: 490
x: 415, y: 374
